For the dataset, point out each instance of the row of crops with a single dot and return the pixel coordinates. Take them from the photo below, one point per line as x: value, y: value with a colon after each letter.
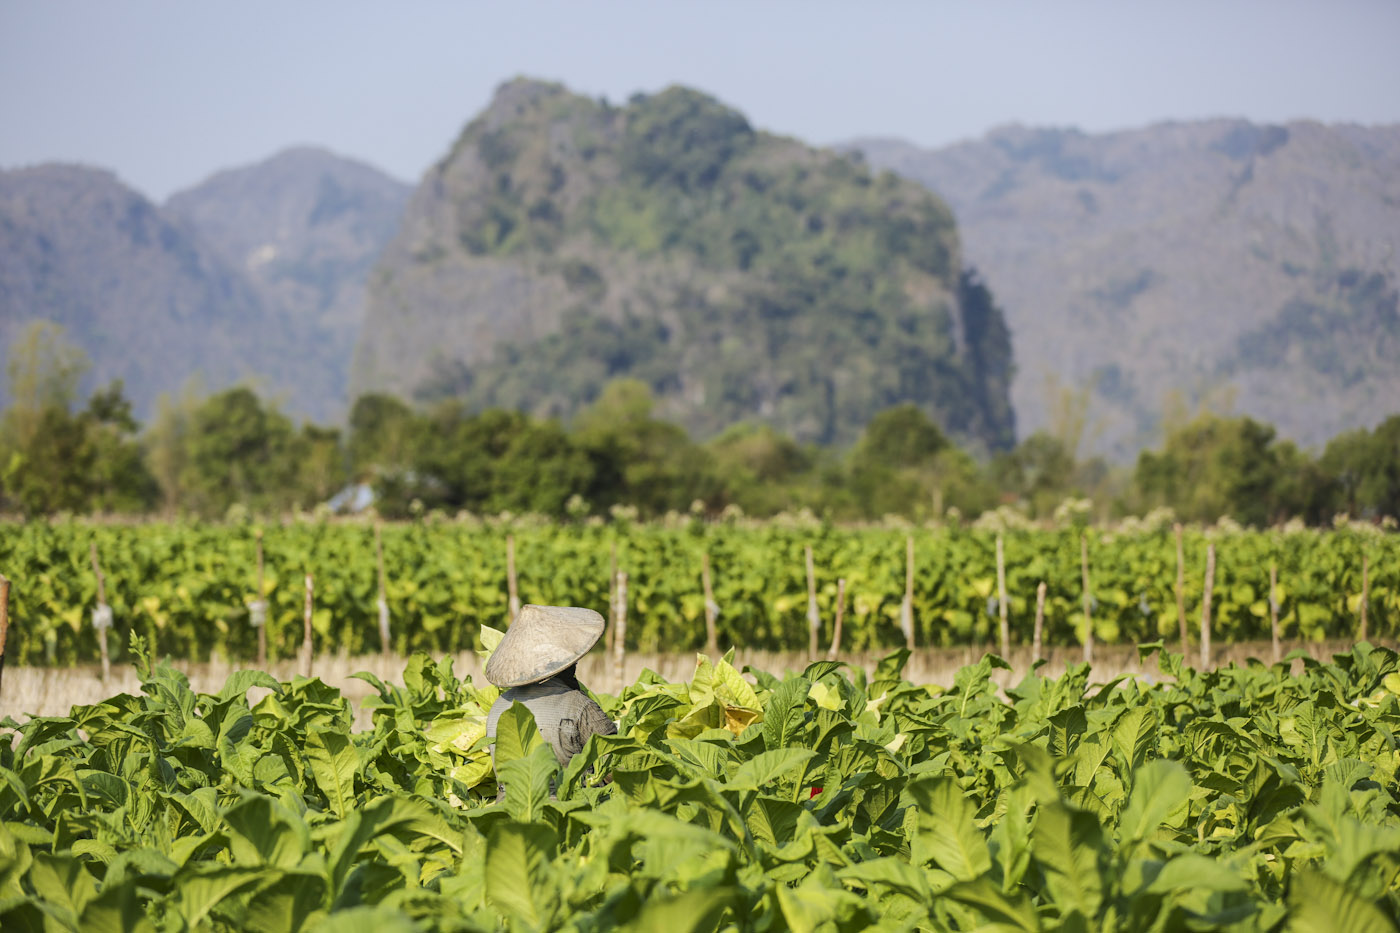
x: 186, y: 588
x: 1245, y: 798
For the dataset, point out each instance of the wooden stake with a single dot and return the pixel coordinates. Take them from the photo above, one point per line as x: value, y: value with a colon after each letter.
x: 511, y: 587
x: 1365, y: 592
x: 1001, y: 600
x: 383, y: 603
x: 102, y: 616
x: 907, y: 613
x: 840, y: 614
x: 1039, y: 621
x: 1205, y: 606
x: 814, y: 621
x: 711, y: 607
x: 1181, y: 589
x: 262, y: 599
x: 1273, y: 607
x: 4, y: 623
x: 1088, y: 616
x: 620, y: 638
x: 306, y: 645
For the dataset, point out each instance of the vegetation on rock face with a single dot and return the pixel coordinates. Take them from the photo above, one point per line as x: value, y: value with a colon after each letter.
x: 564, y: 243
x: 1245, y: 798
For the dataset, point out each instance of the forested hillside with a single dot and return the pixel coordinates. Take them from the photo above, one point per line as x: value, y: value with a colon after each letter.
x: 564, y: 242
x: 1217, y: 264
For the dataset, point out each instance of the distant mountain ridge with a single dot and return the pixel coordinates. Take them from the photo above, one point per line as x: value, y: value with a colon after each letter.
x: 304, y: 227
x: 1253, y: 267
x: 155, y: 295
x: 564, y: 242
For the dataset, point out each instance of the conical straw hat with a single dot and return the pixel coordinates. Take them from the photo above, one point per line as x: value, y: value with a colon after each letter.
x: 541, y: 642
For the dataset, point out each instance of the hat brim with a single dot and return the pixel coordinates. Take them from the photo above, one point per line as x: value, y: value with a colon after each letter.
x: 542, y: 642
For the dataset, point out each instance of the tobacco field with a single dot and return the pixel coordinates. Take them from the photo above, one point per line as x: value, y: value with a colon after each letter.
x: 186, y: 588
x: 1244, y: 798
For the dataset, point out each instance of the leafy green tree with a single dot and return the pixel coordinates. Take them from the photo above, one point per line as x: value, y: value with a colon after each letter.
x: 894, y: 467
x: 1216, y: 466
x: 119, y: 479
x: 53, y: 459
x: 764, y: 472
x: 1040, y: 472
x: 1362, y: 470
x: 640, y: 460
x: 383, y: 435
x: 320, y: 464
x: 496, y: 461
x: 238, y: 450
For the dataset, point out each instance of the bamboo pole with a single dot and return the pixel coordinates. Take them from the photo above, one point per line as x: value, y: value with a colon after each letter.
x: 4, y: 623
x: 1205, y: 606
x: 383, y: 602
x: 1001, y: 600
x: 1273, y: 608
x: 102, y: 615
x: 306, y: 645
x: 1181, y: 589
x: 1088, y: 616
x: 840, y: 615
x: 814, y: 620
x: 1365, y: 593
x: 260, y: 615
x: 620, y: 638
x: 711, y: 607
x: 511, y: 588
x: 907, y: 607
x: 1039, y: 621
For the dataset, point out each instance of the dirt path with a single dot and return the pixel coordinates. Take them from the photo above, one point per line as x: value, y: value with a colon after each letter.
x: 39, y: 691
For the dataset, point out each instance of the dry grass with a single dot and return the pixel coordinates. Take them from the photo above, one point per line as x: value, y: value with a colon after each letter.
x: 39, y: 691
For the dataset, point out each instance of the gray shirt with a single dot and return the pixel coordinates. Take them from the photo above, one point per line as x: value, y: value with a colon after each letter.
x: 566, y: 717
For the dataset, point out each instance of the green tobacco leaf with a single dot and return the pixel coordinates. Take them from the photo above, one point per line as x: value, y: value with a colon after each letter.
x: 63, y: 884
x: 379, y: 918
x: 769, y: 766
x: 1197, y: 873
x: 1135, y: 736
x: 516, y: 734
x: 1159, y: 787
x: 773, y: 821
x: 527, y: 781
x: 946, y: 833
x: 520, y: 882
x: 262, y: 832
x: 692, y: 911
x: 286, y: 904
x: 1317, y: 904
x: 785, y: 713
x: 239, y: 682
x: 199, y: 892
x: 333, y: 760
x: 1068, y: 845
x: 998, y: 910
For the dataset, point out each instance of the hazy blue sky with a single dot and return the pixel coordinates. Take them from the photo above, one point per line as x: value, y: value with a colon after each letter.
x: 166, y: 93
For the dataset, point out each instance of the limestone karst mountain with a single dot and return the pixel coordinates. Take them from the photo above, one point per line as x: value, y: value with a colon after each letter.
x: 1218, y: 263
x: 563, y: 242
x: 257, y: 274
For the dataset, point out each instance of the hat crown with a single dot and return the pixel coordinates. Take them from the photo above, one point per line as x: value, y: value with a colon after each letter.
x: 541, y: 642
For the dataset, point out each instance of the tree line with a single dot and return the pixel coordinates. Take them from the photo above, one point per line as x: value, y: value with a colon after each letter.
x: 204, y: 455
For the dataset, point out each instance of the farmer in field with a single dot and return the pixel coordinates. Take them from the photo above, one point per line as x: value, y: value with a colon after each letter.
x: 535, y: 664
